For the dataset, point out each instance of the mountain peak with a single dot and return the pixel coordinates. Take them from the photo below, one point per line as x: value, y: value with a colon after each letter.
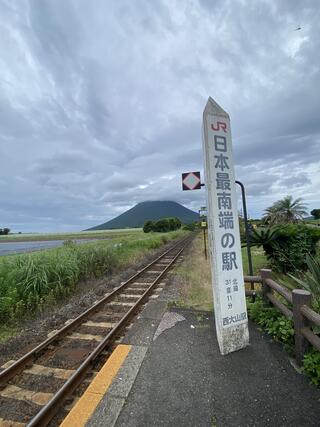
x: 149, y: 210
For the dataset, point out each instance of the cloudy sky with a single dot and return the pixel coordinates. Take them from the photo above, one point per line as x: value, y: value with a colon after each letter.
x: 101, y: 103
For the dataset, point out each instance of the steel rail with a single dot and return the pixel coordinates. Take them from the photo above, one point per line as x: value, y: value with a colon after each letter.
x: 45, y: 415
x: 18, y: 366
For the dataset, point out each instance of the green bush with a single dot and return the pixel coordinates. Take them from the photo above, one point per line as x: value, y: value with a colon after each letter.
x: 281, y: 329
x: 315, y: 213
x: 311, y: 280
x: 242, y: 229
x: 287, y: 246
x: 4, y: 231
x: 28, y: 282
x: 162, y: 225
x: 311, y: 366
x: 190, y: 227
x: 262, y: 236
x: 148, y: 226
x: 174, y: 223
x: 273, y: 322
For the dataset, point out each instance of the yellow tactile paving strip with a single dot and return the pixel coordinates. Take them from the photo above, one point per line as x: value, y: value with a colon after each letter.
x: 88, y: 402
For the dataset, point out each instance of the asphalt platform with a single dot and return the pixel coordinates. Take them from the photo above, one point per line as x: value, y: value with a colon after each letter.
x: 174, y: 375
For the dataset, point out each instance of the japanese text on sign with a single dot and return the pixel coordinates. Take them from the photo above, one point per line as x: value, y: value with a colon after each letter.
x: 223, y: 231
x: 227, y: 249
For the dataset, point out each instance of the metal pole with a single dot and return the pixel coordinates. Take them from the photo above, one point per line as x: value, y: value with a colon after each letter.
x: 204, y: 235
x: 244, y: 204
x: 205, y: 243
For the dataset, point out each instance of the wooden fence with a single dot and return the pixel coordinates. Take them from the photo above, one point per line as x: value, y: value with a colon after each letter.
x: 299, y: 310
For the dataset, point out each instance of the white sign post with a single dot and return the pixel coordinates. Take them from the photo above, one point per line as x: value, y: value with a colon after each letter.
x: 223, y: 231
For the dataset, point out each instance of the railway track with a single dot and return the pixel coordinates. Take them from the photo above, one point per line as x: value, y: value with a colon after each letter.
x: 38, y: 385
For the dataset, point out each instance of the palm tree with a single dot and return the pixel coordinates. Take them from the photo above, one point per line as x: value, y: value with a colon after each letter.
x: 272, y: 215
x: 262, y: 237
x: 285, y: 210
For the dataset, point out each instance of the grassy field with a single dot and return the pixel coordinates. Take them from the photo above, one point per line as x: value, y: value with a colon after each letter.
x: 99, y: 234
x: 194, y: 275
x: 29, y: 282
x: 313, y: 221
x: 6, y: 331
x: 194, y: 279
x: 259, y: 260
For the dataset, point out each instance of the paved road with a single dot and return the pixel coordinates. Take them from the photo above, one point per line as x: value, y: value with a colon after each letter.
x: 8, y: 248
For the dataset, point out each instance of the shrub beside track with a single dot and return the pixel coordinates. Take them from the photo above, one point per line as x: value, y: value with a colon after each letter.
x: 28, y: 282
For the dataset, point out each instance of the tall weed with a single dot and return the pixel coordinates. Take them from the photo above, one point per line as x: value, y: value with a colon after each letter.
x: 30, y: 281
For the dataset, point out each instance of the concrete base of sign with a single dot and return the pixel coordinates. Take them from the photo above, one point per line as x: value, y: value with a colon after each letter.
x: 233, y: 339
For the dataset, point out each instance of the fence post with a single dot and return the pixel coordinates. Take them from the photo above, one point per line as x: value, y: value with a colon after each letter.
x: 300, y: 297
x: 265, y: 274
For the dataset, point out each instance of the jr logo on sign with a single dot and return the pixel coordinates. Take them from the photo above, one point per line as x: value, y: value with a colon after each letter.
x: 219, y: 126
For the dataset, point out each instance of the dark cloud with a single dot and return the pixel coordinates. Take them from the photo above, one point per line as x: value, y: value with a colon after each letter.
x: 101, y: 104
